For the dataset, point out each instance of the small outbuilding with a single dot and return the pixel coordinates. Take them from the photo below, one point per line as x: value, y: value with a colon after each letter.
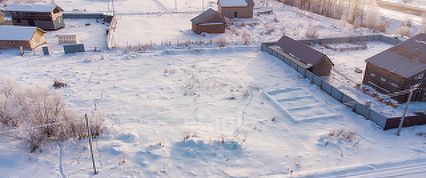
x: 44, y: 16
x: 399, y: 68
x: 18, y: 36
x: 236, y: 8
x: 306, y: 57
x: 209, y: 21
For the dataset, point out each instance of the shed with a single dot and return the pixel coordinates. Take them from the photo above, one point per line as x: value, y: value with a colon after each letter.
x: 209, y: 21
x: 17, y: 36
x: 236, y: 8
x: 45, y: 16
x: 398, y: 68
x: 305, y: 56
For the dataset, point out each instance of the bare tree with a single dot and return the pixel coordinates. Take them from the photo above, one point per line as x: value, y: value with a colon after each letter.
x: 424, y: 22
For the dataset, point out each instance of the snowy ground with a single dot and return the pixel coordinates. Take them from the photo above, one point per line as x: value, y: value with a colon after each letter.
x: 90, y: 33
x: 414, y: 3
x: 200, y: 113
x: 137, y: 30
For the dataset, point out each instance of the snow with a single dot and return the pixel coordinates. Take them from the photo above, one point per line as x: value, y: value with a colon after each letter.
x: 145, y: 29
x: 200, y: 112
x: 413, y: 3
x: 195, y: 113
x: 16, y: 33
x: 233, y: 3
x: 36, y: 7
x: 90, y: 33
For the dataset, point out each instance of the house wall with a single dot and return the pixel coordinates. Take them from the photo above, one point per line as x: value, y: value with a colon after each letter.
x: 1, y: 18
x: 216, y: 28
x: 387, y: 82
x: 323, y: 68
x: 37, y: 40
x: 46, y: 21
x: 241, y: 12
x: 15, y: 44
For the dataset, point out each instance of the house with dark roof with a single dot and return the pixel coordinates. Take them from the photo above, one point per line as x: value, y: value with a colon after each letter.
x: 18, y: 36
x: 209, y: 21
x: 44, y: 16
x: 305, y: 56
x: 236, y: 8
x: 399, y: 68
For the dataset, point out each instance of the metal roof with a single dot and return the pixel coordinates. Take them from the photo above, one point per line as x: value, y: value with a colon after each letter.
x: 236, y: 3
x: 208, y: 16
x: 17, y: 33
x: 38, y: 7
x: 300, y: 51
x: 405, y: 59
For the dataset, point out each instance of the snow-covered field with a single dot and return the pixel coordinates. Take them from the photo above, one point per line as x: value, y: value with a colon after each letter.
x: 199, y: 113
x: 202, y: 112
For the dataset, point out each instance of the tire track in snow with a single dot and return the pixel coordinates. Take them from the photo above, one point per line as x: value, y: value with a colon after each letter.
x: 160, y: 5
x: 61, y: 164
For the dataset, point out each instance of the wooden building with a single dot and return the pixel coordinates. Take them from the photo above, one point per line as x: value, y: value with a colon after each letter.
x: 1, y: 18
x: 306, y: 57
x: 209, y: 21
x: 44, y: 16
x: 236, y: 8
x: 399, y: 68
x: 18, y: 36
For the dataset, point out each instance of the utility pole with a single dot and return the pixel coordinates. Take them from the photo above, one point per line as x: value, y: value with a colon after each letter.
x: 401, y: 122
x: 203, y: 5
x: 89, y: 134
x: 113, y: 8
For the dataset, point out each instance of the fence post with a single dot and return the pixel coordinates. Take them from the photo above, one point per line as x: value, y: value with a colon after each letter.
x: 89, y: 134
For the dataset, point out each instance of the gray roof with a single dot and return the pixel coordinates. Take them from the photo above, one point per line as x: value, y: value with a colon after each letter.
x: 37, y: 7
x: 300, y: 51
x: 236, y: 3
x: 208, y: 16
x: 16, y: 33
x: 405, y: 59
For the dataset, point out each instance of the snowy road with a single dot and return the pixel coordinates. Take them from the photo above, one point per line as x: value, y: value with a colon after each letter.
x: 407, y: 169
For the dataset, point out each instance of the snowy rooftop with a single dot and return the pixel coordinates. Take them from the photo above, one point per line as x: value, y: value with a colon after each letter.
x: 233, y: 3
x: 17, y: 33
x: 31, y: 7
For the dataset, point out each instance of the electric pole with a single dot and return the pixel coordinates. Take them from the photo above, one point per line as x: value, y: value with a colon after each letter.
x: 410, y: 96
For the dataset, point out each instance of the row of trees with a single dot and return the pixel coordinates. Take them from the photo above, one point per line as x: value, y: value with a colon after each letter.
x: 357, y: 12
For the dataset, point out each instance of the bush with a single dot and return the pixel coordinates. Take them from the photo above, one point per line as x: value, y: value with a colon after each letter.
x: 404, y: 30
x: 311, y: 32
x: 41, y: 116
